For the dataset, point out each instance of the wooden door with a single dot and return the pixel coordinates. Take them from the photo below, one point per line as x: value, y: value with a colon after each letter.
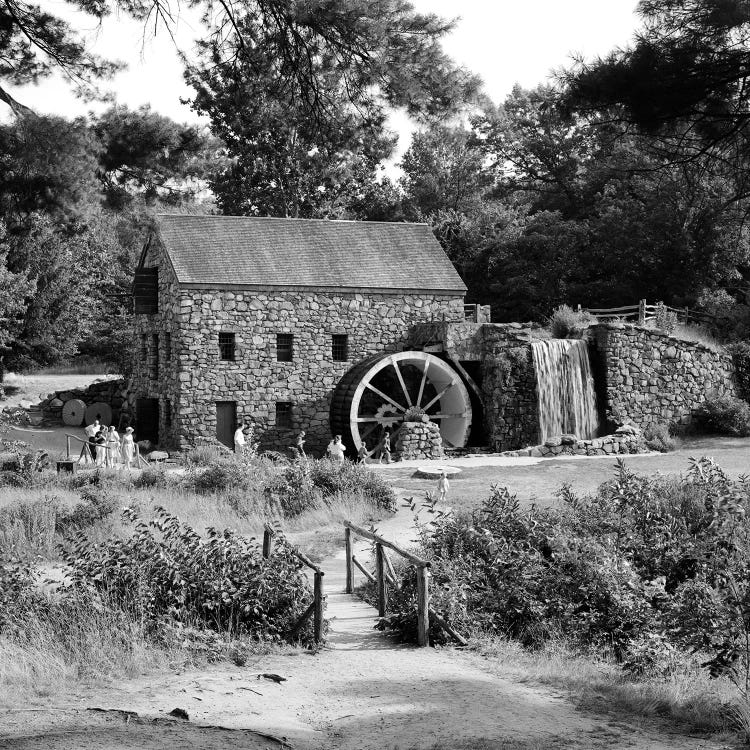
x: 226, y: 422
x: 147, y: 419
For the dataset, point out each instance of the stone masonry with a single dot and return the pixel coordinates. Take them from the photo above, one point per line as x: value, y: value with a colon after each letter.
x: 419, y: 440
x: 647, y: 377
x: 193, y: 378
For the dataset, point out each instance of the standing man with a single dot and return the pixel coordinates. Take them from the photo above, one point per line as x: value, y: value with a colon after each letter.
x: 239, y: 439
x: 91, y: 432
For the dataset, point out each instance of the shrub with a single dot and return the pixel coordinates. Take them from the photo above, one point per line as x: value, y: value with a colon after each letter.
x: 724, y: 415
x: 16, y: 582
x: 153, y: 476
x: 741, y: 355
x: 221, y: 475
x: 657, y: 438
x: 164, y: 572
x: 96, y: 505
x: 664, y: 319
x: 204, y: 455
x: 566, y: 323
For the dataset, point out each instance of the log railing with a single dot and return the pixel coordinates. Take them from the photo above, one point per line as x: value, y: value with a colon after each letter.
x: 316, y: 606
x: 139, y: 459
x: 643, y: 312
x: 385, y: 576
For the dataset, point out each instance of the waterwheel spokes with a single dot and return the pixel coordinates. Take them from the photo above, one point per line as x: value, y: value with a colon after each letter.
x: 440, y: 394
x: 401, y: 381
x: 364, y: 435
x: 422, y: 384
x: 385, y: 397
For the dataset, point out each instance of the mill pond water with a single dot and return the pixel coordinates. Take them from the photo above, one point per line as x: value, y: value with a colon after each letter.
x: 565, y: 389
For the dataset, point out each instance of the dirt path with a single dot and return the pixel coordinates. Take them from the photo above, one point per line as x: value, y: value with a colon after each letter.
x: 363, y: 692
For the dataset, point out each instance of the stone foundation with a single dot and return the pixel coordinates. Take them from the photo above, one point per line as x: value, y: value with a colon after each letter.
x: 419, y: 440
x: 569, y: 445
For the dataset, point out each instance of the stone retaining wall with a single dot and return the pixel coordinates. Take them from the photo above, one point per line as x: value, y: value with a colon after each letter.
x: 419, y: 440
x: 648, y: 377
x: 570, y: 446
x: 112, y: 392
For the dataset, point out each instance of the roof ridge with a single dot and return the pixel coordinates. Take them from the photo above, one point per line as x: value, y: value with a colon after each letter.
x: 293, y: 218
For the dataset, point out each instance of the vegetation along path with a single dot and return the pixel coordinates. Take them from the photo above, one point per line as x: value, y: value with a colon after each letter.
x: 363, y: 691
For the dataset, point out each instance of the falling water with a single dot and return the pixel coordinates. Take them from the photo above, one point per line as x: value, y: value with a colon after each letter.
x: 565, y: 388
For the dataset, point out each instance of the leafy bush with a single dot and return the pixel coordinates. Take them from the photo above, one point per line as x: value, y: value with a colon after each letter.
x: 740, y: 352
x: 164, y: 572
x: 204, y: 455
x: 96, y: 505
x: 566, y: 323
x: 664, y: 318
x: 153, y: 476
x: 16, y: 582
x: 657, y: 438
x: 645, y: 568
x: 220, y: 476
x: 725, y: 415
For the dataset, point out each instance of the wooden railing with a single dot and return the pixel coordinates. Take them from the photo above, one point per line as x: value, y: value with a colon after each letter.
x: 316, y: 606
x: 385, y: 575
x: 643, y: 312
x: 85, y: 450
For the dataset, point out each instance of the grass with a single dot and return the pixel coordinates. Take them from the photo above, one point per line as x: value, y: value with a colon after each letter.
x: 80, y: 366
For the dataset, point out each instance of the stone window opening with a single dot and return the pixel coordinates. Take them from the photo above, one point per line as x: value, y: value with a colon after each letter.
x: 144, y: 347
x: 167, y: 413
x: 167, y: 347
x: 284, y: 347
x: 227, y: 349
x: 155, y: 356
x: 340, y: 347
x: 284, y: 414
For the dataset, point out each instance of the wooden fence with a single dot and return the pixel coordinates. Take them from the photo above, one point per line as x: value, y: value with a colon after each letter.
x: 385, y: 576
x: 643, y: 313
x: 85, y: 454
x: 316, y: 606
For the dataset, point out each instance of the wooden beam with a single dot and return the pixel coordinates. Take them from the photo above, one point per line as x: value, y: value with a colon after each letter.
x: 380, y: 576
x: 349, y: 570
x: 423, y: 607
x: 359, y: 531
x: 370, y: 577
x: 448, y: 629
x: 318, y: 604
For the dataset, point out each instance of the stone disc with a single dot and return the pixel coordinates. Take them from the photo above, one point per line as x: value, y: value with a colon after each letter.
x: 101, y: 411
x: 434, y: 472
x: 73, y: 412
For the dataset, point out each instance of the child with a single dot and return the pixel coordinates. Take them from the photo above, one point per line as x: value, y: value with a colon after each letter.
x: 443, y: 487
x: 336, y: 449
x: 385, y: 449
x: 362, y: 454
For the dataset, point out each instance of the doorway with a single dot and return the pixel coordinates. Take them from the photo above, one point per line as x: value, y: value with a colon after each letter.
x: 226, y: 422
x: 147, y: 419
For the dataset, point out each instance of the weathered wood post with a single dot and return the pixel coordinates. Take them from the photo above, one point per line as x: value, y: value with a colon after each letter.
x: 349, y: 568
x: 318, y: 613
x: 642, y: 312
x: 423, y: 606
x: 268, y: 535
x: 382, y: 586
x: 67, y: 446
x: 390, y: 569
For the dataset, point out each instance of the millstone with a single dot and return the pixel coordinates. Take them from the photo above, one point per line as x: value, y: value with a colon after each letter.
x: 73, y: 412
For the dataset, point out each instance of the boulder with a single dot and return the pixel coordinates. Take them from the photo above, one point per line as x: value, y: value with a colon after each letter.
x: 553, y: 442
x: 157, y: 456
x: 568, y: 439
x: 627, y: 429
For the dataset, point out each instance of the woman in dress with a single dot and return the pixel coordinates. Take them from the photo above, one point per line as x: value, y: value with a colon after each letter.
x: 113, y: 448
x: 128, y: 447
x: 100, y: 440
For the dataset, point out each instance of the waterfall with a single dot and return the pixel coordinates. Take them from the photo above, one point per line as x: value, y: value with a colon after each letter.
x: 565, y: 388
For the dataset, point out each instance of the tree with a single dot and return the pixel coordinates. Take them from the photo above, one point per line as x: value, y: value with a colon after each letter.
x: 684, y: 80
x: 146, y: 154
x: 300, y: 96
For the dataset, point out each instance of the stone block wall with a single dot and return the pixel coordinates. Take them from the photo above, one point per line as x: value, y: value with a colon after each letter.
x: 419, y: 440
x: 646, y: 376
x: 193, y: 377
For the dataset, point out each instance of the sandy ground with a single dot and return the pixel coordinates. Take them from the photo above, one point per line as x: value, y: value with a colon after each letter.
x: 363, y: 691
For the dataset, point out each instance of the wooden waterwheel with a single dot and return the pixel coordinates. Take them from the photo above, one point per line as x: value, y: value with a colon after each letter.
x: 383, y: 391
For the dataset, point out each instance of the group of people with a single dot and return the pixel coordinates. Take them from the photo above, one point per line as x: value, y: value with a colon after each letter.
x: 106, y: 447
x: 336, y: 449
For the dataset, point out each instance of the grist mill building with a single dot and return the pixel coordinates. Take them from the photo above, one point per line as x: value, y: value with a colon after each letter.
x: 292, y: 324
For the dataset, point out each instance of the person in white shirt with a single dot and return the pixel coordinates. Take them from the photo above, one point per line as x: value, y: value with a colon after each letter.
x: 442, y: 487
x: 336, y: 449
x: 239, y: 440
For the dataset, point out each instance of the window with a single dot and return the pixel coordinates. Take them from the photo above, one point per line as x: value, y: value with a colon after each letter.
x: 167, y: 347
x: 167, y: 413
x: 144, y: 348
x: 340, y: 347
x: 155, y: 356
x: 283, y: 414
x: 284, y: 347
x: 146, y: 291
x: 226, y: 346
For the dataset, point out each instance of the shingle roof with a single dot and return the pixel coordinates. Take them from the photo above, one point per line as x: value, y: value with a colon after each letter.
x: 251, y: 251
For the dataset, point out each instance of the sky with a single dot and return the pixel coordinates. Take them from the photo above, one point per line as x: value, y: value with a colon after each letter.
x: 504, y: 41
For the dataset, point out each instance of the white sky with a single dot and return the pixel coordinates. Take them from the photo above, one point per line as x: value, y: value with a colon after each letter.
x: 504, y: 41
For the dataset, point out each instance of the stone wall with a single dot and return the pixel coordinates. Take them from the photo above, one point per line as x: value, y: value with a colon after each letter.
x: 195, y: 377
x: 419, y: 440
x: 645, y: 376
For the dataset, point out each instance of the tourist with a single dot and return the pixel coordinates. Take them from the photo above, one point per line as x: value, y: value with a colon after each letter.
x: 336, y: 449
x: 385, y: 447
x: 100, y: 442
x: 128, y: 447
x: 442, y: 487
x: 300, y: 444
x: 90, y: 433
x: 362, y: 454
x: 239, y: 439
x: 112, y: 447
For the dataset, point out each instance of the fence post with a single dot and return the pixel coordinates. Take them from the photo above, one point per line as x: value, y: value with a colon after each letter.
x: 642, y: 312
x: 318, y: 612
x: 268, y: 535
x: 423, y: 606
x: 67, y: 445
x: 349, y: 567
x: 380, y: 572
